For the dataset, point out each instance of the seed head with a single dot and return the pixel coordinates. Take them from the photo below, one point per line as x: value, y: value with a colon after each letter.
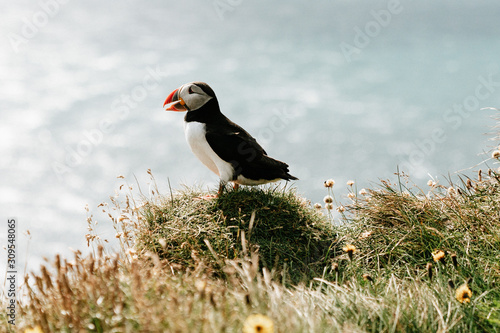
x: 366, y: 234
x: 132, y: 253
x: 335, y: 267
x: 350, y: 182
x: 329, y: 206
x: 163, y: 242
x: 340, y: 209
x: 46, y: 276
x: 328, y: 199
x: 363, y: 192
x: 496, y: 154
x: 451, y: 191
x: 431, y: 183
x: 317, y: 205
x: 351, y: 195
x: 329, y: 183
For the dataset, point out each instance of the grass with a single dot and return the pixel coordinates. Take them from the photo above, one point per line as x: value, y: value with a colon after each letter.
x: 187, y: 264
x: 403, y: 228
x: 289, y: 236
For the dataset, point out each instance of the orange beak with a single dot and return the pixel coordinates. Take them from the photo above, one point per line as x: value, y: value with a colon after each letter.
x: 174, y: 102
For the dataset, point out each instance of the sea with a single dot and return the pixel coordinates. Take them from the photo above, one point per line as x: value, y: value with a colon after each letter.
x: 338, y: 89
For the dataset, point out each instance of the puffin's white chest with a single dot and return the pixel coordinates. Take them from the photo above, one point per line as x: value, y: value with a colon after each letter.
x: 195, y: 136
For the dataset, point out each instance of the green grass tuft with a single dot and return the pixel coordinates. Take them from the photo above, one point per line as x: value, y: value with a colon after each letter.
x: 403, y: 228
x: 289, y: 236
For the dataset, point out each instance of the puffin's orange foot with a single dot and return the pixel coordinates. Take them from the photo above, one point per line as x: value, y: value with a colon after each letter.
x: 207, y: 197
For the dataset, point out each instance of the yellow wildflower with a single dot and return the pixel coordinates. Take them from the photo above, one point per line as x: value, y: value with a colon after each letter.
x: 463, y: 293
x: 438, y: 255
x: 350, y: 249
x: 258, y: 323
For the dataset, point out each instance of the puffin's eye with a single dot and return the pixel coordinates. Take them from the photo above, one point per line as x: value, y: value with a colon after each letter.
x: 190, y: 90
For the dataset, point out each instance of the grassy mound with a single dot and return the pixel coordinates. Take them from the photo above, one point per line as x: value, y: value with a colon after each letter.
x: 287, y: 234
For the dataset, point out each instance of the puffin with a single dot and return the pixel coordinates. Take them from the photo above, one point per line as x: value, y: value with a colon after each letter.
x: 221, y: 145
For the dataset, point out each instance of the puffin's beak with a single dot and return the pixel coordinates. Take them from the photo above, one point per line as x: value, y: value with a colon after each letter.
x: 174, y: 102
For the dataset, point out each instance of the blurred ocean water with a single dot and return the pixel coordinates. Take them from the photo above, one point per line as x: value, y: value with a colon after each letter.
x: 338, y: 89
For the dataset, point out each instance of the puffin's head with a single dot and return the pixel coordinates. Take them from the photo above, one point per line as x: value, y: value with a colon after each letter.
x: 189, y: 97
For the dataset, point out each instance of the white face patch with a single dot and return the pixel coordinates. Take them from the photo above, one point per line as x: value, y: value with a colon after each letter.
x: 193, y: 96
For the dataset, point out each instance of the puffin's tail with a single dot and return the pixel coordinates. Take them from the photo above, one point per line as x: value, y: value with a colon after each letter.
x: 270, y: 168
x: 289, y: 177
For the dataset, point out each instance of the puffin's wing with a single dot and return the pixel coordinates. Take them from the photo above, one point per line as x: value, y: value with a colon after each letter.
x: 246, y: 156
x: 235, y: 146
